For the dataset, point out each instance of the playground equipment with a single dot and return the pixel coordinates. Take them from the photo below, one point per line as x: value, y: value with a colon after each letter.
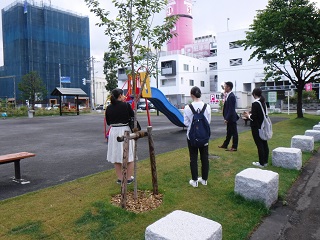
x: 155, y: 96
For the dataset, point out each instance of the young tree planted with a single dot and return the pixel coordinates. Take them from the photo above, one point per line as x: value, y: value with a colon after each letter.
x: 287, y: 35
x: 133, y: 36
x: 32, y: 88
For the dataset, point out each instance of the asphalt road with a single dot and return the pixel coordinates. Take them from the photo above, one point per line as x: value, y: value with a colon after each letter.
x: 71, y: 147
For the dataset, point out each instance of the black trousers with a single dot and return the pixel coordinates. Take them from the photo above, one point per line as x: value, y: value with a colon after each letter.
x: 204, y: 157
x: 232, y: 131
x: 262, y: 146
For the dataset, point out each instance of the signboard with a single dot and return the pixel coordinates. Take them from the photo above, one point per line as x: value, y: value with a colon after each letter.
x: 308, y: 87
x: 272, y: 97
x: 65, y: 80
x: 213, y: 98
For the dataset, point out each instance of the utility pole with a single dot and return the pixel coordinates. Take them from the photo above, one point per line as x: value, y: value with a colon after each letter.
x: 93, y: 84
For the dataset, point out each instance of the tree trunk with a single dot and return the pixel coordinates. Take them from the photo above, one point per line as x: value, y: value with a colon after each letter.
x: 299, y: 102
x: 153, y: 162
x: 124, y: 169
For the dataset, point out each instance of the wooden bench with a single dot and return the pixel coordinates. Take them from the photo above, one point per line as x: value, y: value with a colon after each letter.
x: 15, y: 158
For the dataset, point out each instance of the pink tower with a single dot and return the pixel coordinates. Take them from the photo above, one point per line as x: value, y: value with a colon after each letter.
x: 183, y: 27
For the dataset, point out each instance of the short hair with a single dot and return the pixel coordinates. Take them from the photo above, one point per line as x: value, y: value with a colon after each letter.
x: 195, y: 91
x: 229, y: 84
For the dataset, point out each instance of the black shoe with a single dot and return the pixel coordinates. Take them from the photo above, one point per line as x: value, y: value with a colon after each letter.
x: 222, y: 147
x: 231, y: 150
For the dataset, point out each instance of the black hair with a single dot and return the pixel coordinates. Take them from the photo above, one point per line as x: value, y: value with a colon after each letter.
x: 229, y: 84
x: 115, y: 93
x: 195, y: 91
x: 258, y: 93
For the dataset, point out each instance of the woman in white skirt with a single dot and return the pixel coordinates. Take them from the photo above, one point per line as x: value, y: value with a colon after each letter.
x: 118, y: 114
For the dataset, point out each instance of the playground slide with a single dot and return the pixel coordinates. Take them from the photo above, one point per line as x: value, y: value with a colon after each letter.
x: 163, y: 105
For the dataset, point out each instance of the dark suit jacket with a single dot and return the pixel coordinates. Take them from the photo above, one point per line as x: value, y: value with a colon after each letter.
x: 257, y: 114
x: 229, y: 109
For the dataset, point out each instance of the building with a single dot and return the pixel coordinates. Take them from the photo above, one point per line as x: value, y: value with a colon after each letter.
x: 53, y: 42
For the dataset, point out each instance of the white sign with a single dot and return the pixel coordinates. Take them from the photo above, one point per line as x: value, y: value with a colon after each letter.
x: 272, y: 97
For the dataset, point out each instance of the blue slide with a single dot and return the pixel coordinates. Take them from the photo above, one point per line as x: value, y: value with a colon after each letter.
x: 160, y: 101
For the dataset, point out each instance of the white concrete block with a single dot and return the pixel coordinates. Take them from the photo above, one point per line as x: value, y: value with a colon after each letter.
x: 318, y: 113
x: 257, y: 184
x: 290, y: 158
x: 183, y: 225
x: 314, y: 133
x: 316, y: 127
x: 305, y: 143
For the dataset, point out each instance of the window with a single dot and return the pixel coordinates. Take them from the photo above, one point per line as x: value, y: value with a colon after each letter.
x: 213, y: 66
x: 191, y: 82
x: 213, y: 52
x: 235, y: 62
x: 185, y: 67
x: 233, y: 45
x: 202, y: 83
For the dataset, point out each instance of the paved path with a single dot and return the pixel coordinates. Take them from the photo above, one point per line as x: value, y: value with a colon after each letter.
x: 299, y: 219
x: 70, y: 147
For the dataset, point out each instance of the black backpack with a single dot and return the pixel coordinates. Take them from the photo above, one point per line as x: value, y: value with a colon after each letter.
x: 199, y: 133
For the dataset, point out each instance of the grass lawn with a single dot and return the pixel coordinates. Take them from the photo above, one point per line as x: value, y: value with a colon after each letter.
x: 81, y: 209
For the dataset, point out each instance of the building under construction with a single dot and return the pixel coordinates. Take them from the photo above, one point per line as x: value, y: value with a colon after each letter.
x: 53, y: 42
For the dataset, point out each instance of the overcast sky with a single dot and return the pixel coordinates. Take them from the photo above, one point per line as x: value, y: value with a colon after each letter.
x: 209, y: 17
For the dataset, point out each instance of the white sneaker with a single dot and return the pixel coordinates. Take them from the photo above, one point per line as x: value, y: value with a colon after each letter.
x: 257, y: 164
x: 193, y: 183
x: 203, y: 182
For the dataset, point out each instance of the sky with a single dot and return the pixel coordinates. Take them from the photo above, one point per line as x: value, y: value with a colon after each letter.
x: 209, y: 17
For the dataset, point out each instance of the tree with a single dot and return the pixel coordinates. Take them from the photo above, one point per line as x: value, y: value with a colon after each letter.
x: 287, y: 35
x: 133, y: 36
x: 32, y: 88
x: 110, y: 70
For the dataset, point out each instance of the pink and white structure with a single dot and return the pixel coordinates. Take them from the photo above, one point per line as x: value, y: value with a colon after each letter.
x: 183, y: 27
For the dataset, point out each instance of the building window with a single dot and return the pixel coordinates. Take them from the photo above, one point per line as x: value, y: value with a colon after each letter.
x: 191, y: 82
x: 235, y: 62
x: 185, y: 67
x: 202, y: 83
x: 233, y: 45
x: 213, y: 66
x: 213, y: 52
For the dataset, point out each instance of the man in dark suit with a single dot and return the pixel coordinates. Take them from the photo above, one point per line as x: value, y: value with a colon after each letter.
x: 230, y: 118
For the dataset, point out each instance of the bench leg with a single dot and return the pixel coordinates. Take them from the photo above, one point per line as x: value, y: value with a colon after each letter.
x: 17, y: 174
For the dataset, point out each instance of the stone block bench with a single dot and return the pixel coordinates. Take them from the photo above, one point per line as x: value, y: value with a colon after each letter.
x: 318, y: 112
x: 257, y: 184
x: 314, y: 133
x: 316, y: 127
x: 290, y: 158
x: 183, y: 225
x: 305, y: 143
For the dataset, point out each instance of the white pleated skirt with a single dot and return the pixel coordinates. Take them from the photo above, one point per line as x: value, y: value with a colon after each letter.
x: 115, y: 148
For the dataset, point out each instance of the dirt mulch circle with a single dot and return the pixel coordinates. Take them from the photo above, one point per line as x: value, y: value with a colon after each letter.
x: 145, y: 201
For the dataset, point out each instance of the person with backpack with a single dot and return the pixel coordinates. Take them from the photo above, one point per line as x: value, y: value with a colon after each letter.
x: 197, y: 117
x: 256, y: 117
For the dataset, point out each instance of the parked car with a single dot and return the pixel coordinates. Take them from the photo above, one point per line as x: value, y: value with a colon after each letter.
x: 100, y: 107
x: 54, y: 106
x: 143, y: 106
